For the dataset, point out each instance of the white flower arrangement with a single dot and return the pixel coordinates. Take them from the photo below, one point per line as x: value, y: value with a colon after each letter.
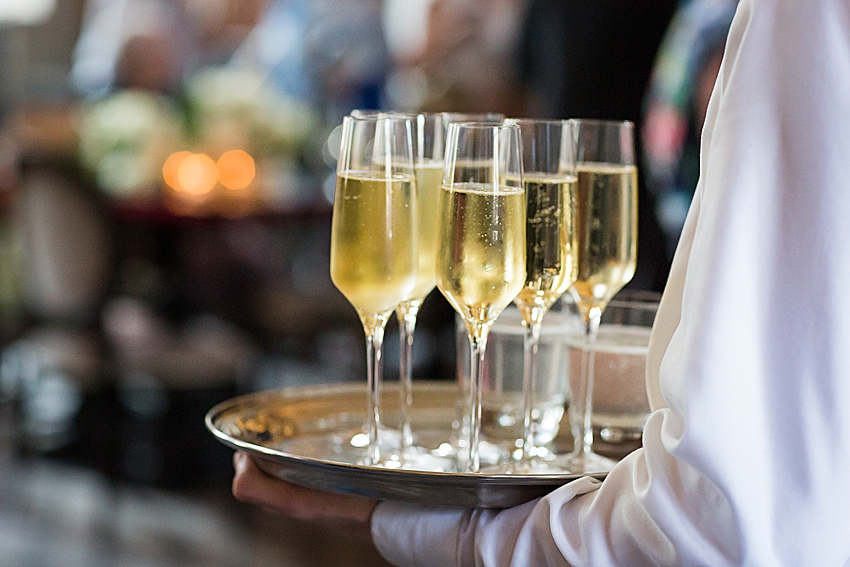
x: 241, y: 98
x: 125, y: 138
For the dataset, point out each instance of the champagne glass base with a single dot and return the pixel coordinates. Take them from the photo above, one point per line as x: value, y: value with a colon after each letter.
x: 389, y: 444
x: 414, y: 457
x: 418, y: 458
x: 585, y: 463
x: 491, y: 456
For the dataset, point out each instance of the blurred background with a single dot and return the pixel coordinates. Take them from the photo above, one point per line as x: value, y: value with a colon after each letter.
x: 166, y: 178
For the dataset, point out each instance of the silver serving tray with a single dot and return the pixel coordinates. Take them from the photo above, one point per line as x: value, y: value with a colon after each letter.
x: 302, y: 435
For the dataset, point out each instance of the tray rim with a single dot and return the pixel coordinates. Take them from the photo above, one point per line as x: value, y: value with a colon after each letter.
x: 466, y: 489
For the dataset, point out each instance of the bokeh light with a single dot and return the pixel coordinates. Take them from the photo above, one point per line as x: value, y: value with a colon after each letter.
x: 236, y: 169
x: 197, y: 174
x: 170, y: 168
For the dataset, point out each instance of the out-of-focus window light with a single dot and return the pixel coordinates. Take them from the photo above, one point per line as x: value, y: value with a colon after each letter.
x: 25, y: 12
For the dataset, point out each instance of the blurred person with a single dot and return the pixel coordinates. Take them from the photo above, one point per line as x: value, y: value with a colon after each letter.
x: 331, y: 53
x: 745, y: 456
x: 467, y: 60
x: 593, y: 59
x: 685, y: 70
x: 155, y: 44
x: 132, y: 43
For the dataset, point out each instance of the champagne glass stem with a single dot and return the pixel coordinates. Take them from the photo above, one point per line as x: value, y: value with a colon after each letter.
x: 583, y: 400
x: 374, y: 377
x: 531, y: 346
x: 406, y: 313
x: 477, y: 347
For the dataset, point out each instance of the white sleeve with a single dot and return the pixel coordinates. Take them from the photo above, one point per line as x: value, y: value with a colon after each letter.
x: 746, y: 458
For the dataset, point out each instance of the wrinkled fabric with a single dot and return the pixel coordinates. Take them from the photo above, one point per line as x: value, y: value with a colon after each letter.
x: 746, y: 455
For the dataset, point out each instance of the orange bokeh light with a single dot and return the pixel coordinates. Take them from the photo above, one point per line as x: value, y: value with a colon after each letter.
x: 170, y: 167
x: 236, y: 169
x: 196, y: 174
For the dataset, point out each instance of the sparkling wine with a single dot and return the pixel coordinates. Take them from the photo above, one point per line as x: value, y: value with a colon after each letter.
x: 428, y: 177
x: 551, y: 244
x: 373, y: 264
x: 481, y: 260
x: 606, y: 227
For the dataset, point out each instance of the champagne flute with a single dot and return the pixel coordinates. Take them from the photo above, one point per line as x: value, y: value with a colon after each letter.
x: 549, y: 178
x: 373, y: 235
x: 429, y: 148
x: 606, y: 224
x: 481, y: 259
x: 460, y: 427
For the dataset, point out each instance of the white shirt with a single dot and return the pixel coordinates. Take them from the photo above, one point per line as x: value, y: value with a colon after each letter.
x: 746, y: 458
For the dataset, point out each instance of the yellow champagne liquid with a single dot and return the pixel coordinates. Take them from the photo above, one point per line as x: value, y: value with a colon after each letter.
x: 372, y: 248
x: 606, y: 224
x: 550, y: 241
x: 481, y: 259
x: 428, y: 178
